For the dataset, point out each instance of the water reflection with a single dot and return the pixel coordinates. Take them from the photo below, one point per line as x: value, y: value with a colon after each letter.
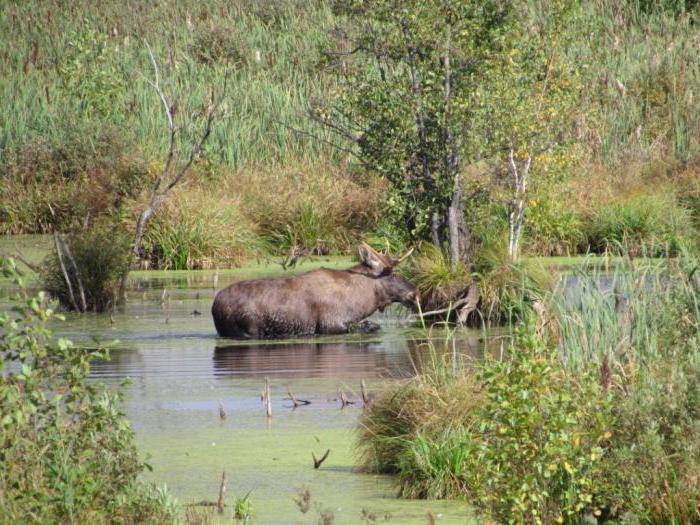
x: 313, y: 359
x: 395, y: 359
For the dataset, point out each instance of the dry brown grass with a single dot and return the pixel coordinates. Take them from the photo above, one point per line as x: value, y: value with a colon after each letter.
x: 199, y: 227
x: 321, y: 207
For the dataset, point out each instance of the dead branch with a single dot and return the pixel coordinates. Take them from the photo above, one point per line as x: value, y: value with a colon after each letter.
x: 325, y: 141
x: 452, y: 307
x: 365, y: 396
x: 319, y: 462
x: 344, y: 401
x: 71, y: 296
x: 21, y: 258
x: 268, y: 399
x: 171, y: 175
x: 296, y: 402
x: 83, y: 303
x: 222, y: 491
x: 24, y: 261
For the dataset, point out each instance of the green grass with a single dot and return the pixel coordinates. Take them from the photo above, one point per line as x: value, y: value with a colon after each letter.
x: 90, y: 62
x: 593, y: 410
x: 82, y: 131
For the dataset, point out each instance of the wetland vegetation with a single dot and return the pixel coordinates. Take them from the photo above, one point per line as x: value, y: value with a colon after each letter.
x: 502, y: 140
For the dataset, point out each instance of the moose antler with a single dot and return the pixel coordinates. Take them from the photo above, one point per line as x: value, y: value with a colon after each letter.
x: 404, y: 257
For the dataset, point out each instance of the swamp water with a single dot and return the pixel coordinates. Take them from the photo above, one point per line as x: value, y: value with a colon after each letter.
x: 180, y: 371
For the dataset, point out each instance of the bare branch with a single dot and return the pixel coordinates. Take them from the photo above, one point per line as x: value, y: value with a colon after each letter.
x: 296, y: 402
x: 325, y: 141
x: 156, y: 86
x: 452, y: 307
x: 59, y: 253
x: 77, y: 275
x: 319, y: 462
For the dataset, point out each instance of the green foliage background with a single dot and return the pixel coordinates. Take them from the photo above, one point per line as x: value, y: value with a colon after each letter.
x: 67, y: 449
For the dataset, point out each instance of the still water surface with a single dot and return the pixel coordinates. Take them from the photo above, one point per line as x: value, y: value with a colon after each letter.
x: 180, y: 372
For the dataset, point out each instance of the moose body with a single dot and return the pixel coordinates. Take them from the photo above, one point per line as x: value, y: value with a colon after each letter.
x: 322, y: 301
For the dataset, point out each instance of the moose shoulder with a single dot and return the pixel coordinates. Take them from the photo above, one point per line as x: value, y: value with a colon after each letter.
x: 321, y: 301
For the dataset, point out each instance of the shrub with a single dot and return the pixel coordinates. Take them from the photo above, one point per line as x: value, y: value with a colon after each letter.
x: 429, y: 270
x: 218, y: 45
x: 651, y: 469
x: 654, y: 224
x: 541, y: 436
x: 95, y: 261
x: 309, y: 207
x: 507, y: 288
x: 80, y: 174
x: 67, y: 450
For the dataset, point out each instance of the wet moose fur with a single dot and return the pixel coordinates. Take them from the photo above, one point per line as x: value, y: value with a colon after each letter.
x: 321, y: 301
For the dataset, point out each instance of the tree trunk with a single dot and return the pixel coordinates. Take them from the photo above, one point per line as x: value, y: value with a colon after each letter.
x: 459, y: 235
x: 516, y: 207
x: 435, y: 225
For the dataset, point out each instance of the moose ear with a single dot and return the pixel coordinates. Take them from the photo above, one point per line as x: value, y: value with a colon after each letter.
x: 371, y: 259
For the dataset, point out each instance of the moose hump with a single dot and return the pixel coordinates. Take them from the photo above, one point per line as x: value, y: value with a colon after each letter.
x: 321, y: 301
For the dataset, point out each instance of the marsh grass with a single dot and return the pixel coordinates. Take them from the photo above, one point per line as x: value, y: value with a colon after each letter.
x: 310, y: 206
x: 592, y: 412
x: 636, y: 314
x: 653, y: 223
x: 199, y: 228
x: 98, y: 53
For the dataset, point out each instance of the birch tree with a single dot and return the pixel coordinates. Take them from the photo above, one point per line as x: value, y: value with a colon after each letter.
x: 526, y: 101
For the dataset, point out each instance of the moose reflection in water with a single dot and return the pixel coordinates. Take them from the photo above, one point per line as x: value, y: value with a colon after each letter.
x: 401, y: 358
x: 321, y: 301
x: 311, y: 359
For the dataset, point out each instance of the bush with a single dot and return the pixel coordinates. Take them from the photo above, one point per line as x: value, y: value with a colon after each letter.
x: 599, y: 420
x: 67, y: 450
x: 95, y: 260
x: 654, y: 224
x: 309, y: 207
x: 82, y: 173
x: 218, y: 45
x: 429, y: 270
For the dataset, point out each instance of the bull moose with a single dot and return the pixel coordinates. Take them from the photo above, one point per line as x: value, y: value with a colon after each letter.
x: 322, y: 301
